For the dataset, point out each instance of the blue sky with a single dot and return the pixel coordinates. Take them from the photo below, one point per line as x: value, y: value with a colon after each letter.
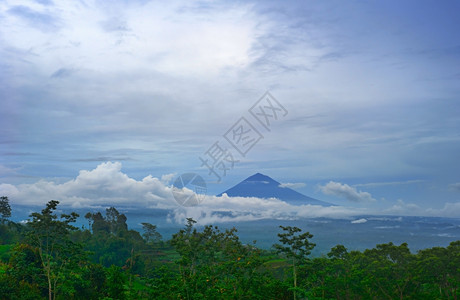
x: 105, y: 103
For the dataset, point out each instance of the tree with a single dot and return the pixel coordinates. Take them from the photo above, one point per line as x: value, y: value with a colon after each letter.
x: 439, y: 269
x: 89, y: 217
x: 97, y: 223
x: 49, y: 234
x: 296, y: 247
x: 151, y: 235
x: 5, y: 209
x: 116, y: 221
x: 116, y: 282
x: 338, y: 252
x: 26, y: 270
x: 214, y: 264
x: 390, y: 267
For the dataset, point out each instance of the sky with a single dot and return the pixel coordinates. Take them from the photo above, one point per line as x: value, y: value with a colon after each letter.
x: 106, y: 103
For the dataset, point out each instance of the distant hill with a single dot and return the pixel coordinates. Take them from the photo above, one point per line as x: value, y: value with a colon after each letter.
x: 262, y: 186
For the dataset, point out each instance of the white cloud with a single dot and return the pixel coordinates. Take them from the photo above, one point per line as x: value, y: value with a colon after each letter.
x: 451, y: 210
x: 455, y: 186
x: 407, y: 209
x: 359, y: 221
x: 105, y: 185
x: 6, y: 171
x: 172, y: 37
x: 292, y: 185
x: 166, y: 179
x: 233, y: 209
x: 347, y: 192
x: 8, y: 189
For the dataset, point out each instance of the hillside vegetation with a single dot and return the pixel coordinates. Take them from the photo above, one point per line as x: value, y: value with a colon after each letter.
x: 49, y: 258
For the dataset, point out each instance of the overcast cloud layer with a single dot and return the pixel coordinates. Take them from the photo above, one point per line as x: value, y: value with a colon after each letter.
x: 371, y: 91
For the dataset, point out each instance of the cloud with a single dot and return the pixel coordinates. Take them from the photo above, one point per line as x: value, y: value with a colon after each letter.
x: 402, y: 208
x: 101, y: 159
x: 359, y: 221
x: 4, y: 170
x: 374, y: 184
x: 455, y: 186
x: 62, y: 72
x: 347, y: 192
x: 114, y: 24
x: 105, y: 185
x: 234, y: 209
x: 449, y: 209
x: 43, y: 21
x: 166, y: 179
x: 44, y: 2
x: 171, y: 38
x: 292, y: 185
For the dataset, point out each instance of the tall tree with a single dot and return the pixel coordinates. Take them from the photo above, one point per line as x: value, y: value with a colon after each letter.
x: 116, y: 221
x: 97, y: 223
x: 5, y: 209
x: 50, y: 235
x: 151, y: 235
x: 296, y: 247
x: 390, y: 267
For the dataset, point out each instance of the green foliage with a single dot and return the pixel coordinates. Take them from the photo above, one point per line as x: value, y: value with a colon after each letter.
x: 114, y: 223
x: 215, y: 264
x: 439, y: 269
x: 116, y: 283
x: 92, y: 282
x: 5, y: 209
x: 296, y: 247
x: 50, y: 258
x: 49, y: 235
x: 151, y: 235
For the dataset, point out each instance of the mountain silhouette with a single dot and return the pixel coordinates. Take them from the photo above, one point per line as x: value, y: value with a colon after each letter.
x: 263, y: 186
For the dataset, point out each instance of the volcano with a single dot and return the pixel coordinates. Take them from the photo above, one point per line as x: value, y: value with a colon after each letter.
x: 263, y: 186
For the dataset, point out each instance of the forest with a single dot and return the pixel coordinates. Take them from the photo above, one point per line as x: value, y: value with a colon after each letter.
x: 48, y: 257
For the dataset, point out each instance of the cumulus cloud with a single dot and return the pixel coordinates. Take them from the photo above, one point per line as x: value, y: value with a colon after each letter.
x: 166, y: 179
x: 104, y: 185
x: 292, y: 185
x: 402, y: 208
x: 450, y: 210
x: 347, y: 192
x: 107, y: 185
x: 233, y: 209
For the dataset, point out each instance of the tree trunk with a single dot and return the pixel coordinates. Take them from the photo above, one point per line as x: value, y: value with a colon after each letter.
x: 295, y: 277
x: 50, y: 295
